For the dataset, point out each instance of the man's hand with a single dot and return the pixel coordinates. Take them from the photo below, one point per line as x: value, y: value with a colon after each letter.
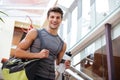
x: 44, y: 53
x: 67, y: 64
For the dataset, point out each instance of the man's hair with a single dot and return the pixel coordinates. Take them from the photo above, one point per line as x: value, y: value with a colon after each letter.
x: 55, y: 9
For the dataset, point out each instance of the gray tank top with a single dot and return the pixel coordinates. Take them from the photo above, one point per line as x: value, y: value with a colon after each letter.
x: 54, y: 44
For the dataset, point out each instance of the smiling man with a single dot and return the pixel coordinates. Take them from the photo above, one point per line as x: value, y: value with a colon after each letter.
x: 46, y: 45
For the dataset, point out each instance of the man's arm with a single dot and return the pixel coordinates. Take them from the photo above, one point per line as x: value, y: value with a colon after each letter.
x: 22, y: 47
x: 60, y: 56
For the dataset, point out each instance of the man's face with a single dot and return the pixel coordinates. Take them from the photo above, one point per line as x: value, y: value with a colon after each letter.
x: 54, y: 20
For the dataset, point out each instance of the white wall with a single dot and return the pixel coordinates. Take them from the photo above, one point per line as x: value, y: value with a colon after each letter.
x: 6, y: 34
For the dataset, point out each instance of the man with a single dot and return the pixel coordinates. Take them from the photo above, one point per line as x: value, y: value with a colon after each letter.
x: 48, y: 50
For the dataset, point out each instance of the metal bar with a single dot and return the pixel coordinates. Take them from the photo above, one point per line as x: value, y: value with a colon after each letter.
x: 80, y: 73
x: 110, y: 60
x: 73, y: 74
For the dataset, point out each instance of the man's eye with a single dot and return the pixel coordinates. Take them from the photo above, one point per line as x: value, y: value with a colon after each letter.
x: 58, y: 17
x: 52, y: 16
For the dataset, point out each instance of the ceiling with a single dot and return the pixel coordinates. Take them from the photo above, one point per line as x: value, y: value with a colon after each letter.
x: 36, y: 9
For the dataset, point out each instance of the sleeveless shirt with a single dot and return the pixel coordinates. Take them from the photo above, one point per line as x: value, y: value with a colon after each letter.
x: 45, y: 40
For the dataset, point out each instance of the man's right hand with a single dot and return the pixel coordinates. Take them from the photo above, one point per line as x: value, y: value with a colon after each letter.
x: 44, y: 53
